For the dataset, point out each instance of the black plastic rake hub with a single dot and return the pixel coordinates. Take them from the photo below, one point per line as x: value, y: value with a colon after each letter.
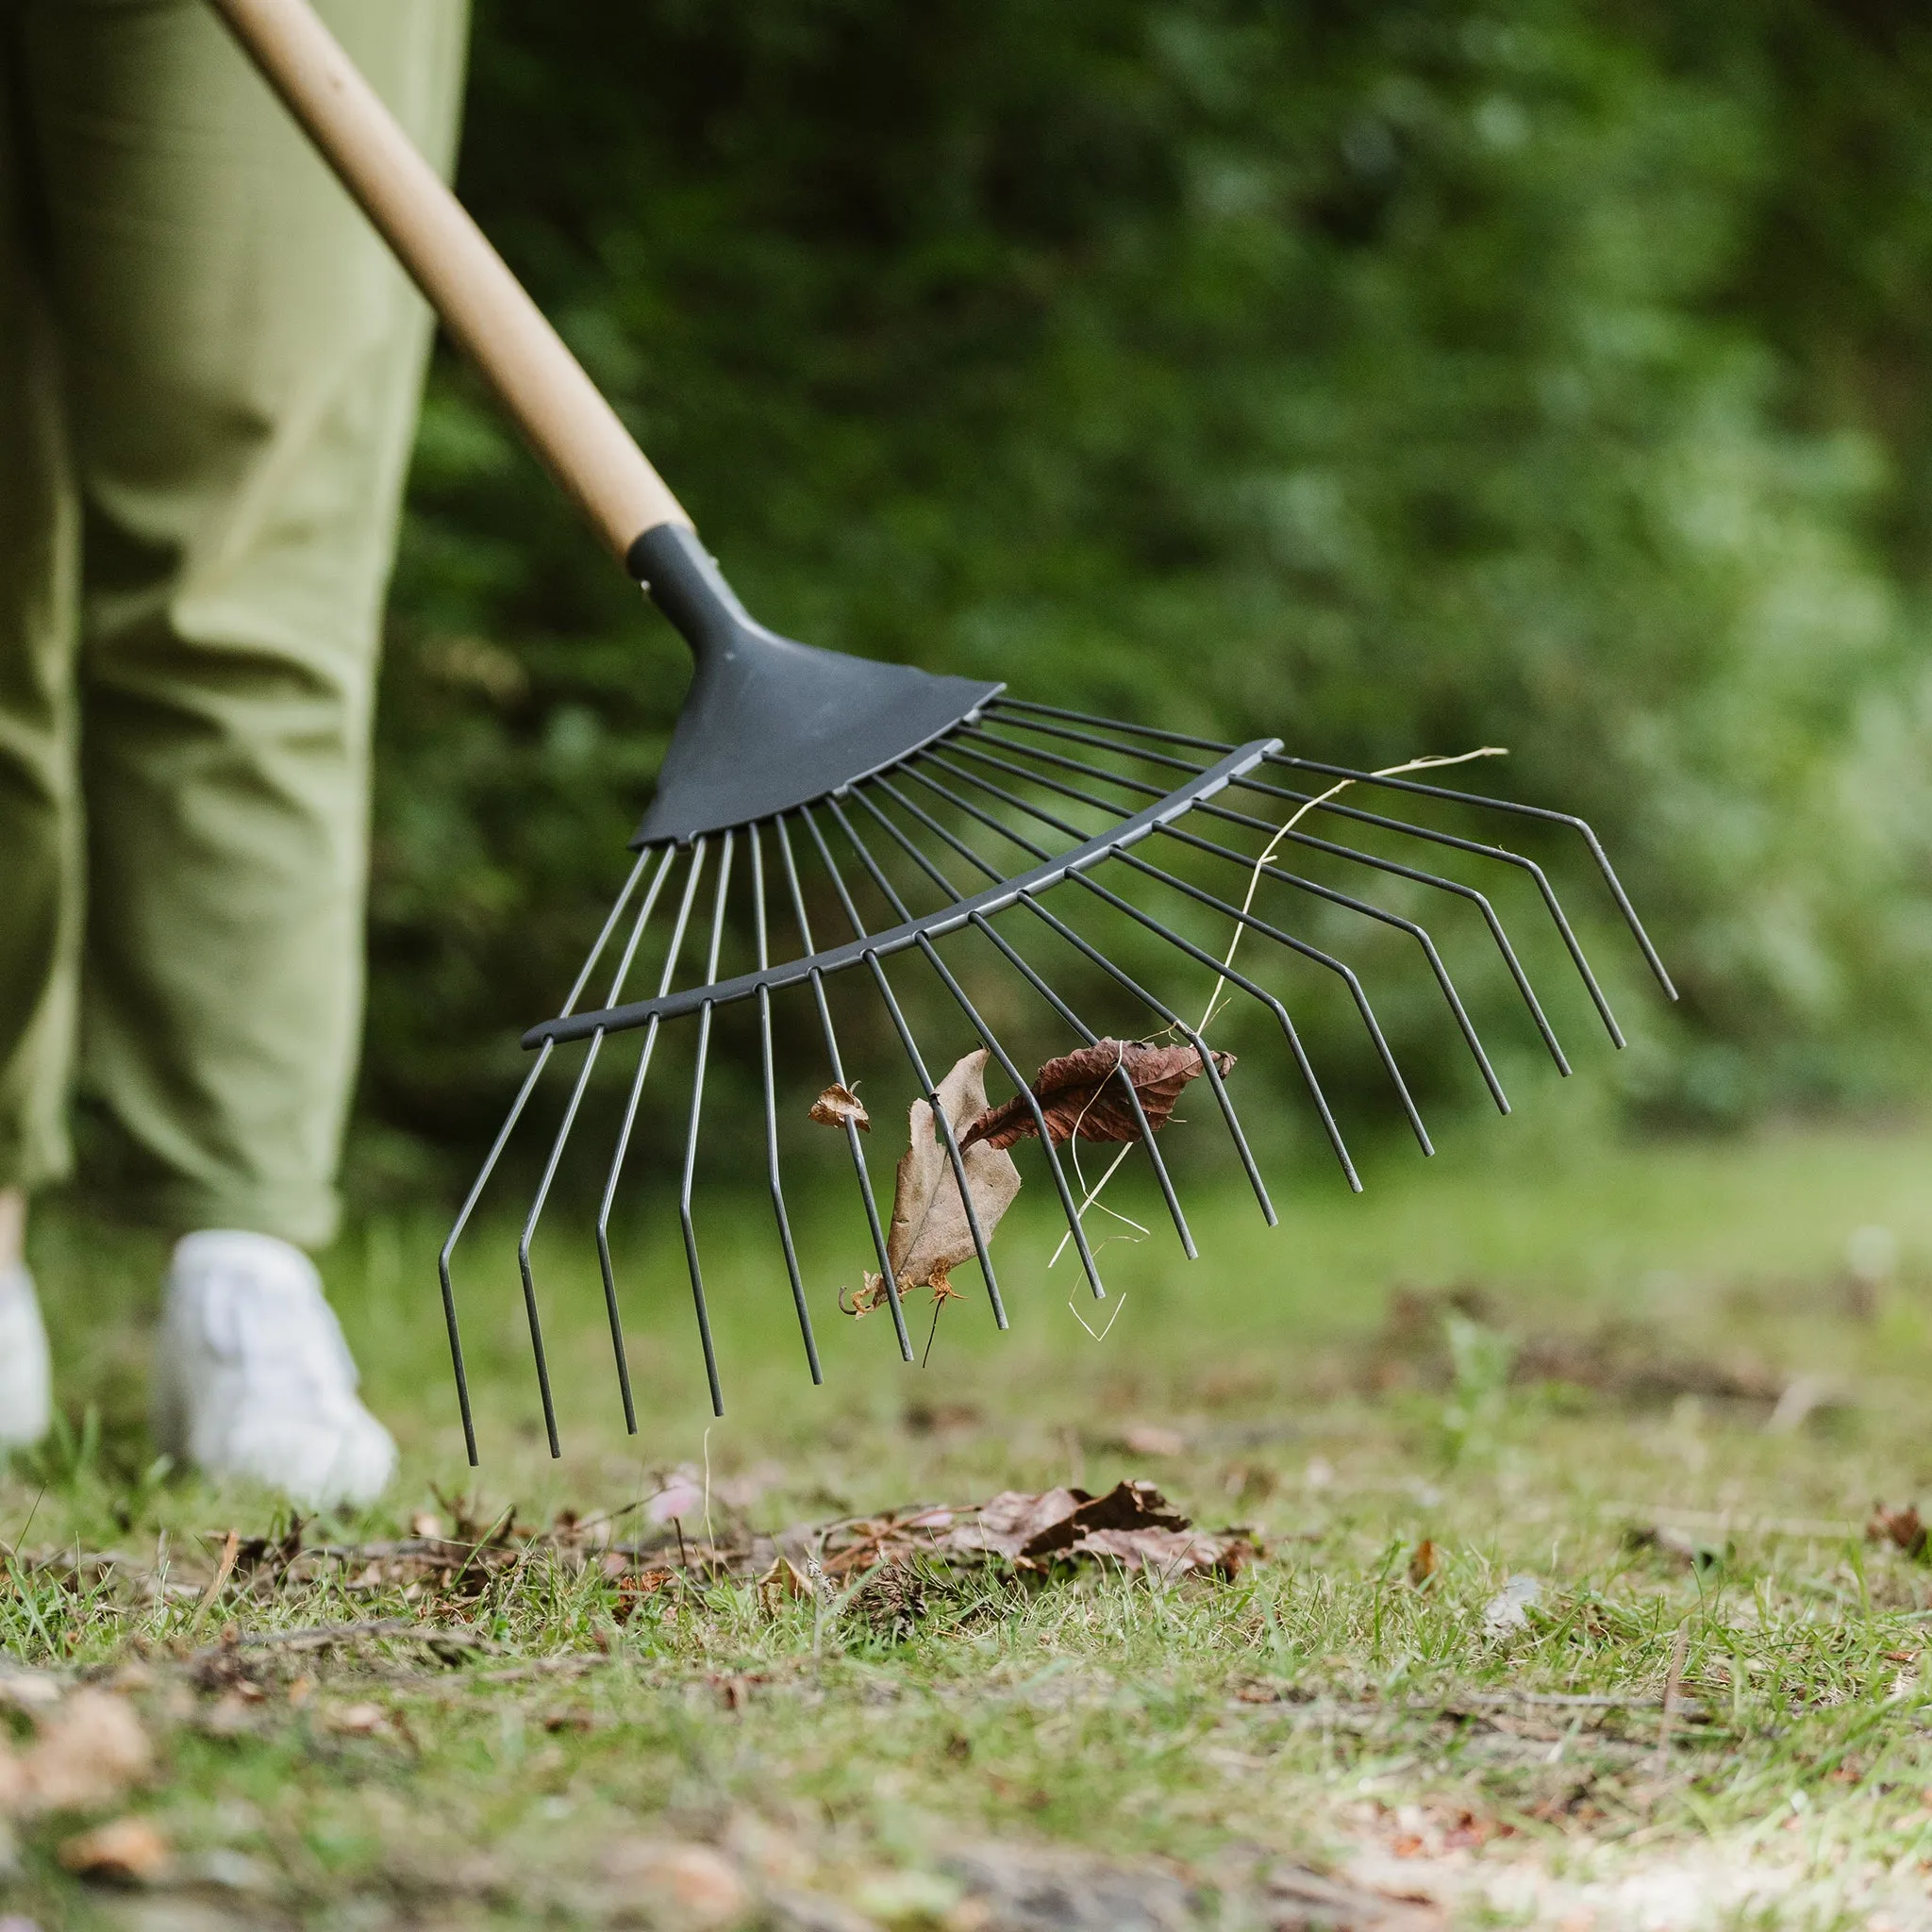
x: 792, y: 767
x: 769, y: 724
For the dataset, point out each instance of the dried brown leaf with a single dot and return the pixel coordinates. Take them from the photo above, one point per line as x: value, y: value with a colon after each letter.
x: 124, y: 1851
x: 837, y: 1104
x: 699, y: 1885
x: 361, y: 1720
x: 930, y: 1234
x: 633, y: 1593
x: 1130, y: 1524
x: 1424, y: 1562
x: 1901, y: 1526
x: 1083, y: 1094
x: 783, y: 1583
x: 89, y: 1750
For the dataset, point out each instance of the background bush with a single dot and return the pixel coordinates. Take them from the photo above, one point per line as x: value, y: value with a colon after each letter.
x: 1388, y: 377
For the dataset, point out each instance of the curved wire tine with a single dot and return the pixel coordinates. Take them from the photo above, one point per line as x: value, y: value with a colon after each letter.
x: 1313, y: 1083
x: 1393, y: 783
x: 495, y: 1153
x: 986, y: 1033
x: 1375, y: 862
x: 927, y: 1086
x: 544, y: 1187
x: 449, y: 1299
x: 637, y: 1089
x: 691, y: 1139
x: 1134, y: 750
x: 1160, y: 1007
x: 1347, y: 973
x: 1200, y: 1045
x: 1581, y: 826
x: 1551, y: 903
x: 861, y: 1173
x: 1548, y: 893
x: 1418, y: 933
x: 1024, y: 968
x: 1004, y: 703
x: 1521, y: 978
x: 772, y: 1174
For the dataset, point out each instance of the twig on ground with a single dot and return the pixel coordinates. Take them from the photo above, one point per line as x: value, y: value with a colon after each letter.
x: 224, y: 1568
x: 1673, y: 1683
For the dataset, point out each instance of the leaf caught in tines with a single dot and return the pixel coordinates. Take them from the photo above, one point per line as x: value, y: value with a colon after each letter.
x: 868, y: 1295
x: 930, y: 1235
x: 837, y: 1104
x: 1083, y: 1094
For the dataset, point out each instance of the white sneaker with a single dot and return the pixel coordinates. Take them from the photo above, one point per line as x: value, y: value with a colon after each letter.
x: 27, y: 1382
x: 252, y: 1376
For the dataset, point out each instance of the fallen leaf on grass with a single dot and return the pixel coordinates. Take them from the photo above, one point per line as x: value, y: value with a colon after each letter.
x: 930, y: 1234
x: 124, y: 1851
x: 701, y: 1884
x: 837, y: 1104
x: 90, y: 1749
x: 1131, y: 1523
x: 359, y: 1720
x: 1900, y: 1526
x: 1668, y: 1540
x: 1082, y: 1093
x: 784, y: 1582
x: 1425, y: 1560
x: 633, y: 1593
x: 28, y: 1689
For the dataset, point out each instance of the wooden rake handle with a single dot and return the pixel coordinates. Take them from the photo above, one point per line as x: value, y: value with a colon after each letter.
x: 559, y: 410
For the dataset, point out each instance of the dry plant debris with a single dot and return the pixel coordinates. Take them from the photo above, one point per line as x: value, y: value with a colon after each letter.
x: 124, y: 1851
x: 930, y: 1234
x: 1082, y: 1093
x: 1901, y: 1526
x: 837, y: 1104
x: 1130, y: 1524
x: 89, y: 1748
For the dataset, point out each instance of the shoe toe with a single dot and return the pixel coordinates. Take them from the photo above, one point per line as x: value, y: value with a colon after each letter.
x: 344, y: 1457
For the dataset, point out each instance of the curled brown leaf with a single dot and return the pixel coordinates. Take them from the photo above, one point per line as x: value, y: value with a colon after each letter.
x: 1085, y: 1092
x: 930, y: 1234
x: 837, y: 1104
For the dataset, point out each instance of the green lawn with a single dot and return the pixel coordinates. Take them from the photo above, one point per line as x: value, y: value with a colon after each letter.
x: 582, y: 1753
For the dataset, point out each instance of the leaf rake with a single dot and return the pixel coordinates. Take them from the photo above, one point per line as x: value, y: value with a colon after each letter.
x: 920, y: 806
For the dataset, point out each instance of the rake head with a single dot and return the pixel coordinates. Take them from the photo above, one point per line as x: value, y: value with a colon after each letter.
x: 918, y: 813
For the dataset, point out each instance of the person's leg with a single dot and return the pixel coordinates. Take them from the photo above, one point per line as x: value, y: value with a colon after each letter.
x: 39, y: 843
x: 243, y: 361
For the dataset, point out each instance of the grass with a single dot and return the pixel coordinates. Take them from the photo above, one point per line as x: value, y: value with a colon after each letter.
x: 1342, y: 1385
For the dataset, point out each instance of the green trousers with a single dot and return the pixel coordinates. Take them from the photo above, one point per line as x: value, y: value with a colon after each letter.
x: 210, y: 370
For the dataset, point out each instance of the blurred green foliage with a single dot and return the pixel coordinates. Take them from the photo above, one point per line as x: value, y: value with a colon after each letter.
x: 1389, y: 376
